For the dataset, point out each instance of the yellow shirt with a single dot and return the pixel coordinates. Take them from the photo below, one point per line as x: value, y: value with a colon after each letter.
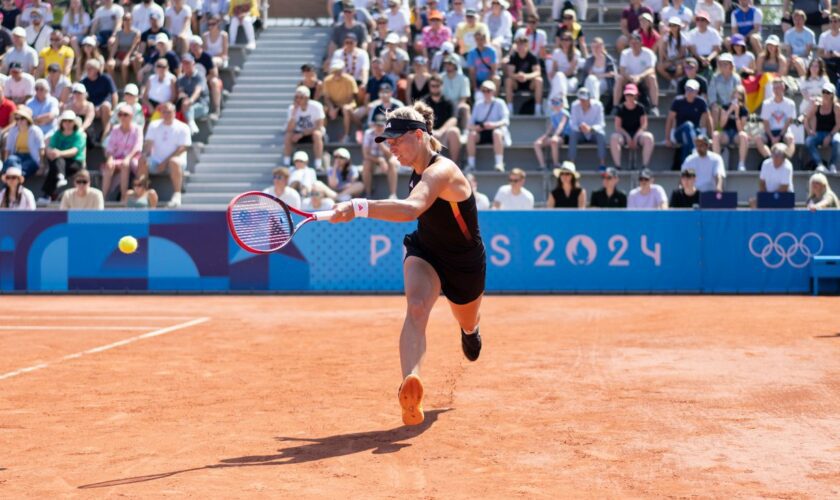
x: 22, y: 142
x: 56, y: 56
x: 341, y: 90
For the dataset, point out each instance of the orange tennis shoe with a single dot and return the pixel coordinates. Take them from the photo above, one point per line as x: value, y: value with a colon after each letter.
x: 411, y: 400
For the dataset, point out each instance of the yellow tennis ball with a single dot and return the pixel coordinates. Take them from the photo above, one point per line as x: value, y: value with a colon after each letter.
x: 128, y: 244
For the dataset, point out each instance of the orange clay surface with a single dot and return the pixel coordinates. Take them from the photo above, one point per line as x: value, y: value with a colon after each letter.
x: 296, y: 397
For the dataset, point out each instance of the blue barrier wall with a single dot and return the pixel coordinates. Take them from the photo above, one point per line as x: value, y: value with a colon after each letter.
x: 541, y: 251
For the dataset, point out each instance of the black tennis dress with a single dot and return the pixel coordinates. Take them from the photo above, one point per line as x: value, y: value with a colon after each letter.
x: 448, y: 238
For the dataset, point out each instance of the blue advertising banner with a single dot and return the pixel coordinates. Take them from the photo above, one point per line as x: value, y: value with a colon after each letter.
x: 539, y: 251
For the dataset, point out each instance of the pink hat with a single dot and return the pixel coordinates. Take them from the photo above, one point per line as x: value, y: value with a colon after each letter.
x: 631, y: 89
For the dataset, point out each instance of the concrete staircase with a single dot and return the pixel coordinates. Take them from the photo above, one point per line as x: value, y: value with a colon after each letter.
x: 247, y: 141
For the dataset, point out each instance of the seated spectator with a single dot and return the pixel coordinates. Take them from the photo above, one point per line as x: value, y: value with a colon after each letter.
x: 347, y: 24
x: 146, y: 14
x: 822, y: 124
x: 689, y: 117
x: 569, y: 24
x: 398, y: 20
x: 691, y: 73
x: 107, y: 20
x: 648, y: 195
x: 122, y: 150
x: 722, y: 86
x: 305, y: 179
x: 217, y: 43
x: 20, y: 53
x: 356, y: 61
x: 523, y: 74
x: 141, y: 195
x: 7, y: 109
x: 732, y: 123
x: 466, y: 31
x: 800, y: 42
x: 124, y: 48
x: 630, y: 23
x: 776, y: 174
x: 816, y: 13
x: 514, y: 196
x: 88, y: 52
x: 178, y: 22
x: 340, y: 91
x: 828, y: 48
x: 377, y: 159
x: 559, y: 6
x: 242, y: 14
x: 371, y: 90
x: 316, y: 201
x: 14, y: 195
x: 446, y: 123
x: 24, y: 144
x: 11, y: 12
x: 778, y: 114
x: 482, y: 202
x: 672, y: 50
x: 638, y: 66
x: 679, y: 10
x: 599, y: 72
x: 456, y: 89
x: 65, y: 153
x: 310, y: 80
x: 482, y: 63
x: 587, y: 126
x: 41, y: 8
x: 447, y: 51
x: 20, y: 86
x: 746, y: 21
x: 280, y: 188
x: 102, y: 93
x: 713, y: 11
x: 488, y: 125
x: 83, y: 197
x: 686, y: 194
x: 631, y: 128
x: 707, y: 165
x: 384, y: 104
x: 305, y: 126
x: 820, y: 195
x: 45, y: 108
x: 75, y: 23
x: 131, y: 98
x: 555, y: 135
x: 148, y: 43
x: 167, y: 141
x: 163, y: 50
x: 38, y: 32
x: 394, y: 58
x: 743, y: 59
x: 344, y: 177
x: 208, y: 66
x: 537, y: 39
x: 567, y: 193
x: 500, y: 25
x: 650, y: 36
x: 418, y: 80
x: 56, y: 53
x: 609, y: 196
x: 704, y: 41
x: 80, y: 105
x: 456, y: 14
x: 192, y: 94
x: 59, y: 84
x: 435, y: 35
x: 772, y: 60
x: 377, y: 38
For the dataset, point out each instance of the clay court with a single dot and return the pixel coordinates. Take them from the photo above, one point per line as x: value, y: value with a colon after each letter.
x: 296, y: 397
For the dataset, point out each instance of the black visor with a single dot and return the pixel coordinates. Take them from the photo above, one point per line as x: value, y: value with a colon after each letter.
x: 399, y: 126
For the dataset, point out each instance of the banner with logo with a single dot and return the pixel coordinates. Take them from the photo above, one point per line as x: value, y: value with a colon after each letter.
x: 537, y: 251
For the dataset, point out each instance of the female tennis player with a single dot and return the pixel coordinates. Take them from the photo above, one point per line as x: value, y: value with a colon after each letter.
x: 445, y: 253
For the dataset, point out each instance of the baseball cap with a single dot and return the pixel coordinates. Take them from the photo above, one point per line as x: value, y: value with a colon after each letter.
x: 78, y: 87
x: 131, y: 89
x: 772, y: 40
x: 726, y: 57
x: 300, y: 156
x: 675, y: 21
x: 336, y: 65
x: 470, y: 13
x: 488, y: 84
x: 197, y: 40
x: 392, y: 38
x: 161, y: 38
x: 647, y: 17
x: 436, y: 16
x: 631, y: 89
x: 88, y: 40
x: 703, y: 138
x: 15, y: 65
x: 583, y: 93
x: 351, y: 36
x: 447, y: 47
x: 19, y: 32
x: 645, y: 173
x: 828, y: 87
x: 689, y: 172
x: 701, y: 15
x: 738, y: 39
x: 691, y: 61
x: 610, y: 172
x: 451, y: 59
x: 692, y: 85
x: 779, y: 149
x: 341, y: 153
x: 385, y: 86
x: 303, y: 90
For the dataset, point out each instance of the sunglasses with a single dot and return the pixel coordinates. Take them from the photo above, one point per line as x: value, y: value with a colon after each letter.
x: 515, y: 179
x: 279, y: 177
x: 825, y: 92
x: 82, y: 181
x: 161, y: 66
x: 644, y: 180
x: 434, y: 85
x: 486, y: 91
x: 123, y: 114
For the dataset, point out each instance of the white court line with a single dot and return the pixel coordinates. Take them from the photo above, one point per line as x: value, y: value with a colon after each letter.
x: 63, y: 327
x: 120, y: 343
x: 93, y: 316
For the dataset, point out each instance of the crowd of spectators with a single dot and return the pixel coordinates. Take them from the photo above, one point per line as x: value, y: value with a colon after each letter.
x: 478, y: 63
x: 129, y: 77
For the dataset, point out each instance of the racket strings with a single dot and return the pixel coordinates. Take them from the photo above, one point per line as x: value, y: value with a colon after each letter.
x: 261, y: 223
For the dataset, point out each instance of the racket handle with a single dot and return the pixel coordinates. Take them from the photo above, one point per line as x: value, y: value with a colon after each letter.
x: 325, y: 215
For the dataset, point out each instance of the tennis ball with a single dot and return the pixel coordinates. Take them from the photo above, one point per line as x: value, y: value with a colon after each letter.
x: 128, y: 244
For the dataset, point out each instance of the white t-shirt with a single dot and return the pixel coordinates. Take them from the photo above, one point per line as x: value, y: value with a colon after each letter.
x: 326, y: 204
x: 704, y: 42
x: 306, y: 177
x: 177, y: 20
x: 536, y: 40
x: 38, y: 38
x: 707, y: 168
x: 685, y: 14
x: 167, y: 138
x: 742, y: 61
x: 509, y: 201
x: 25, y: 86
x: 397, y: 22
x: 776, y: 114
x: 654, y: 199
x: 140, y: 15
x: 635, y: 64
x: 306, y: 119
x: 561, y: 60
x: 774, y: 177
x: 161, y: 91
x: 714, y: 11
x: 482, y: 202
x: 289, y: 197
x: 829, y: 42
x: 108, y: 17
x: 354, y: 64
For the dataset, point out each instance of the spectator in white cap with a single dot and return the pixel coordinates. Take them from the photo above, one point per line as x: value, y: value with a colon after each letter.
x: 488, y: 125
x: 304, y: 179
x: 66, y: 153
x: 15, y: 196
x: 167, y: 141
x: 122, y: 150
x: 178, y: 22
x: 242, y: 14
x: 305, y: 126
x: 721, y: 86
x: 38, y: 32
x: 215, y: 41
x: 705, y: 41
x: 771, y: 60
x: 776, y: 174
x: 20, y: 86
x: 281, y: 189
x: 587, y: 126
x: 80, y: 105
x: 143, y: 14
x: 637, y: 65
x: 209, y: 65
x: 27, y: 152
x: 822, y: 124
x: 59, y: 84
x: 799, y: 43
x: 746, y: 21
x: 394, y: 58
x: 689, y: 116
x: 107, y: 20
x: 340, y: 94
x: 778, y: 114
x: 131, y: 98
x: 163, y: 50
x: 45, y: 107
x: 124, y: 49
x: 89, y: 52
x: 377, y: 159
x: 149, y: 37
x: 21, y: 53
x: 343, y: 177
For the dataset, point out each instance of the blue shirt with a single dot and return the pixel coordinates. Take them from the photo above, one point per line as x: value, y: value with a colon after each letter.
x: 555, y: 122
x: 799, y: 41
x: 99, y: 90
x: 50, y: 105
x: 744, y: 21
x: 689, y: 111
x: 481, y: 61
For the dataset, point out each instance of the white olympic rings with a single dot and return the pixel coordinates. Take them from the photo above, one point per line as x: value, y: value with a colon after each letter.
x: 785, y: 248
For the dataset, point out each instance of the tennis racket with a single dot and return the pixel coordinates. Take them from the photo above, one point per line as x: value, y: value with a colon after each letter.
x: 261, y: 223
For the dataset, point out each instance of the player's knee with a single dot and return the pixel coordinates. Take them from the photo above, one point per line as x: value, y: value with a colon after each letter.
x: 418, y: 308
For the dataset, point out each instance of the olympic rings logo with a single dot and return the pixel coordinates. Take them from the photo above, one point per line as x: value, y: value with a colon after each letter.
x: 785, y: 248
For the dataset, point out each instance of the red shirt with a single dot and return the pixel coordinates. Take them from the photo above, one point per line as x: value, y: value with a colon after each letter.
x: 7, y: 108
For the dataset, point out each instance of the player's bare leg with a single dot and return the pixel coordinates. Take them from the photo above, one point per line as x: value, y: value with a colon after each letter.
x: 467, y: 316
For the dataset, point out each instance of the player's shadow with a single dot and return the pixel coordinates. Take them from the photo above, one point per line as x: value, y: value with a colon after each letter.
x: 312, y: 449
x: 835, y: 336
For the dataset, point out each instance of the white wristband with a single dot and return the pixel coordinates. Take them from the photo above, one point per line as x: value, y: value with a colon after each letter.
x: 360, y: 207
